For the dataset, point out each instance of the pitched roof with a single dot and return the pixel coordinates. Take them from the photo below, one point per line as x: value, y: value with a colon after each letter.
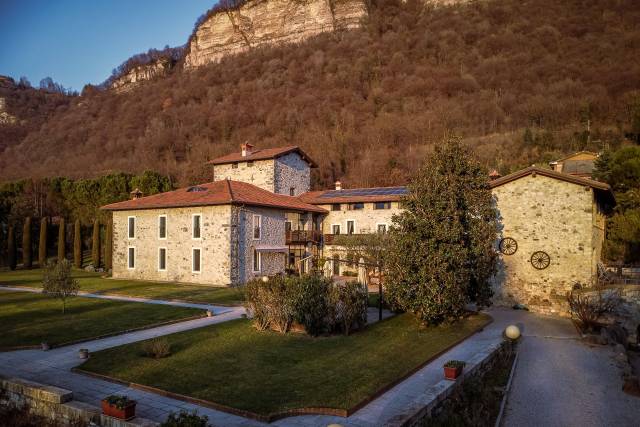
x: 225, y: 192
x: 355, y: 195
x: 263, y: 154
x: 596, y: 185
x: 576, y: 154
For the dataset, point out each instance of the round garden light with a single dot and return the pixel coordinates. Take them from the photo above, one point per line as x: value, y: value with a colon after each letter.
x: 512, y: 332
x: 265, y: 279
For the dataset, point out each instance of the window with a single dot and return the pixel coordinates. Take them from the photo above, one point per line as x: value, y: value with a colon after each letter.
x: 292, y: 191
x: 131, y: 258
x: 250, y: 164
x: 335, y: 229
x: 335, y: 207
x: 382, y: 205
x: 356, y: 206
x: 162, y: 259
x: 257, y: 261
x: 382, y: 228
x: 257, y: 227
x: 162, y: 227
x: 131, y: 226
x: 196, y: 261
x: 351, y: 226
x: 287, y: 226
x: 197, y: 220
x: 234, y: 165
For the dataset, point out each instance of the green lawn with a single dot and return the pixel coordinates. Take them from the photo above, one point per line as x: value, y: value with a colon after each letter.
x: 29, y: 319
x: 264, y: 372
x: 92, y: 282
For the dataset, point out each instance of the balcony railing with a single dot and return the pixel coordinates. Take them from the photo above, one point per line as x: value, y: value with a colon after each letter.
x: 303, y: 236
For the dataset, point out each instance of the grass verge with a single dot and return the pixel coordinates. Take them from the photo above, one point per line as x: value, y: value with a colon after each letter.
x: 265, y: 373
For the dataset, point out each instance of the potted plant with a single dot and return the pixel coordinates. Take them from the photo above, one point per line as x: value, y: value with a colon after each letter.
x: 453, y: 369
x: 83, y: 353
x: 120, y: 407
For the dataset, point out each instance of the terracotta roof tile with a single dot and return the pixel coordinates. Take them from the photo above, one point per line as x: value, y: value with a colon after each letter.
x: 262, y: 154
x: 215, y: 193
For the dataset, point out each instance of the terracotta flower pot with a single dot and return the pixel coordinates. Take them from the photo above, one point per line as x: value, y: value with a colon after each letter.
x: 126, y: 413
x: 452, y: 373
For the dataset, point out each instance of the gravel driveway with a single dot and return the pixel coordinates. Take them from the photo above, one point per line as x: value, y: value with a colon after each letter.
x: 560, y: 381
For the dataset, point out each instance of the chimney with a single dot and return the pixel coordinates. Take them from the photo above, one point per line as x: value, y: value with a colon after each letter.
x: 338, y: 185
x: 494, y: 175
x: 136, y: 194
x: 246, y: 149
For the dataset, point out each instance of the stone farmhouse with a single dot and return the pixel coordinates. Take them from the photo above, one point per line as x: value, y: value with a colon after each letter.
x: 258, y: 217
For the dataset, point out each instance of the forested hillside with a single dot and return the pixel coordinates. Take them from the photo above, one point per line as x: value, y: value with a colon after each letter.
x: 521, y: 81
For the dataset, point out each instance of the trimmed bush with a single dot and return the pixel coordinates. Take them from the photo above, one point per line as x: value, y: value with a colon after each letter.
x: 312, y: 293
x: 11, y: 248
x: 108, y: 245
x: 186, y: 419
x: 42, y: 244
x: 26, y: 243
x: 349, y: 302
x: 77, y: 245
x: 61, y: 241
x: 95, y: 244
x: 157, y: 348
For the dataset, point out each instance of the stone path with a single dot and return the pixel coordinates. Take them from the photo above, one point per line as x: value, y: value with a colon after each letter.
x: 561, y: 381
x: 217, y: 309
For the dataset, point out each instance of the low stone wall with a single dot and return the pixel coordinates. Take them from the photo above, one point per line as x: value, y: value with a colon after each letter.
x: 58, y: 405
x: 628, y: 311
x: 432, y: 401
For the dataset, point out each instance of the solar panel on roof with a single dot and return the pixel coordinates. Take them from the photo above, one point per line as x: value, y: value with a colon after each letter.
x: 359, y: 192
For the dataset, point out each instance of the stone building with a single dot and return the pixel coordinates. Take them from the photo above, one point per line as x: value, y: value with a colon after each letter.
x: 581, y: 164
x: 258, y: 217
x: 552, y: 228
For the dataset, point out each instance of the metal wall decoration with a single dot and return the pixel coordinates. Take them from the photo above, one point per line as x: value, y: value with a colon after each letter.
x: 508, y: 246
x: 540, y: 260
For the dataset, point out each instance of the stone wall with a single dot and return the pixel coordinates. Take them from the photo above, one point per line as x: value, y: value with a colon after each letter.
x: 215, y: 245
x: 272, y: 234
x: 557, y: 217
x: 264, y: 22
x: 260, y: 173
x: 291, y: 170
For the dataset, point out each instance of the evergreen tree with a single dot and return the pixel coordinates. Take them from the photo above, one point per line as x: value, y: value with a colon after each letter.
x: 11, y: 246
x: 61, y: 241
x: 77, y: 245
x: 441, y: 252
x: 108, y: 244
x: 26, y: 244
x: 95, y: 244
x: 42, y: 244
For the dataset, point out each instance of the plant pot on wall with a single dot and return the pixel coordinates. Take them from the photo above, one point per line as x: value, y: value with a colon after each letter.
x: 453, y: 369
x: 83, y: 353
x: 119, y: 407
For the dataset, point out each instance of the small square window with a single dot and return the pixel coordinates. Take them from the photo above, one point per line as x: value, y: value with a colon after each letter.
x: 292, y: 191
x: 335, y: 228
x: 382, y: 205
x: 234, y: 166
x: 356, y: 206
x: 250, y: 164
x: 196, y: 261
x: 335, y: 207
x: 382, y: 228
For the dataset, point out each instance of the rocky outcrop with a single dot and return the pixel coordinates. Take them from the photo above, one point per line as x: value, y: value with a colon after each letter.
x: 5, y: 117
x: 141, y: 73
x: 260, y: 22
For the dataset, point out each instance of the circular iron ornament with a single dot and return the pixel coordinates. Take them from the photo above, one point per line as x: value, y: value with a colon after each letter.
x: 540, y: 260
x: 508, y: 246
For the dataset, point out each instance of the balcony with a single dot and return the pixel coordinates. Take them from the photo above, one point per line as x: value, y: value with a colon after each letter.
x: 302, y: 237
x: 329, y: 238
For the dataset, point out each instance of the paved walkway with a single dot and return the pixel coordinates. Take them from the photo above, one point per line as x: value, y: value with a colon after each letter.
x: 217, y: 309
x: 561, y: 381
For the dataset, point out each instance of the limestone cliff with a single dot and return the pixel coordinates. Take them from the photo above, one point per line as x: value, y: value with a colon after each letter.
x: 5, y: 117
x: 141, y: 73
x: 260, y: 22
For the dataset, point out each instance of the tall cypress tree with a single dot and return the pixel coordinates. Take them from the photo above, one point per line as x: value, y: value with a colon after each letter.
x: 42, y: 245
x: 11, y: 246
x: 77, y: 245
x: 61, y: 241
x: 108, y: 244
x: 95, y: 246
x: 26, y: 243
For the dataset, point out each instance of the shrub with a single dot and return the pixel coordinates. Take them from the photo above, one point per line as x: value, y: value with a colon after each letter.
x: 454, y: 364
x: 349, y: 306
x: 588, y: 306
x: 95, y: 244
x: 157, y: 348
x: 58, y: 283
x: 118, y: 401
x: 186, y: 419
x: 271, y: 303
x: 312, y: 293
